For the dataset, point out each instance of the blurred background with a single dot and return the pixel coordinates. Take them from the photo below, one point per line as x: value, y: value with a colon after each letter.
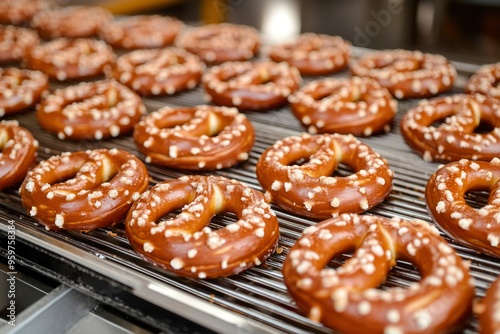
x: 462, y: 30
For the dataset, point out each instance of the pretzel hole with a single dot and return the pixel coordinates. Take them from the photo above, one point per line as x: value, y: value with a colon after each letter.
x: 476, y: 199
x: 484, y: 127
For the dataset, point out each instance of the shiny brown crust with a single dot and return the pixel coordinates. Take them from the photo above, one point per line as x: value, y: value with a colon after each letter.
x: 454, y: 139
x: 84, y: 190
x: 185, y: 244
x: 20, y: 89
x: 71, y: 59
x: 219, y: 43
x: 314, y: 54
x: 71, y: 21
x: 141, y: 32
x: 256, y: 86
x: 485, y: 81
x: 347, y: 299
x: 309, y: 189
x: 357, y: 106
x: 20, y: 11
x: 195, y: 138
x: 90, y: 110
x: 489, y: 322
x: 158, y: 71
x: 407, y: 74
x: 478, y: 229
x: 15, y: 41
x: 18, y: 153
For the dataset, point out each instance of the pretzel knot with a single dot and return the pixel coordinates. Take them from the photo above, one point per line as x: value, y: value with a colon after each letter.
x: 185, y: 244
x: 347, y: 297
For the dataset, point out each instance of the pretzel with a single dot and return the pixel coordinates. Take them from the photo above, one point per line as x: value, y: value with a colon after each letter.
x: 18, y: 153
x: 485, y: 81
x: 488, y: 319
x: 71, y: 21
x: 155, y: 72
x: 454, y: 139
x: 219, y: 43
x: 185, y: 244
x: 251, y: 85
x: 20, y: 89
x: 90, y: 110
x: 444, y: 195
x: 348, y: 297
x: 15, y: 42
x: 20, y: 11
x: 141, y: 32
x: 296, y: 173
x: 314, y: 54
x: 358, y: 106
x: 83, y: 190
x: 407, y: 74
x: 195, y: 138
x: 66, y: 59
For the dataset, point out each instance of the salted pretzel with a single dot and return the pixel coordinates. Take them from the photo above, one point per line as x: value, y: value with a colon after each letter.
x: 18, y: 153
x: 407, y: 74
x: 20, y: 89
x: 15, y: 42
x: 219, y: 43
x: 71, y: 21
x: 71, y: 59
x: 314, y: 54
x: 444, y: 195
x: 20, y: 11
x: 83, y: 190
x: 251, y: 85
x: 185, y: 244
x: 195, y: 138
x: 297, y: 175
x: 347, y: 299
x: 489, y: 322
x: 158, y: 71
x: 90, y: 110
x: 485, y: 81
x: 455, y: 138
x: 357, y: 106
x: 141, y: 32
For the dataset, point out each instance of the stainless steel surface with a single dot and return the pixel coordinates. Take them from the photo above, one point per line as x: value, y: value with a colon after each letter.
x: 255, y: 301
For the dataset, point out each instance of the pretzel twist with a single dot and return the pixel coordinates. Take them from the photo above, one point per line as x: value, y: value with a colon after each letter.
x: 310, y: 189
x: 485, y: 81
x: 455, y: 138
x: 84, y: 190
x: 185, y: 244
x: 347, y: 299
x: 197, y: 138
x: 477, y: 228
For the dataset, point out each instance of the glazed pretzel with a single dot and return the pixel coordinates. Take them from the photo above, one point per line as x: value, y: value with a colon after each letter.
x: 219, y: 43
x: 446, y: 188
x: 485, y: 81
x: 15, y: 42
x: 309, y: 189
x: 18, y: 153
x: 20, y: 11
x: 20, y: 89
x: 90, y: 110
x: 71, y: 59
x: 357, y: 106
x: 347, y: 299
x: 455, y: 138
x: 141, y: 32
x: 407, y: 74
x: 196, y: 138
x: 83, y: 190
x: 251, y: 85
x: 314, y: 54
x: 155, y: 72
x: 488, y: 319
x: 71, y: 21
x: 185, y: 244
